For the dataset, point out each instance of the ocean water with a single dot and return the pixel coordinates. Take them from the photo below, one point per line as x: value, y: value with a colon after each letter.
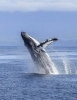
x: 18, y: 80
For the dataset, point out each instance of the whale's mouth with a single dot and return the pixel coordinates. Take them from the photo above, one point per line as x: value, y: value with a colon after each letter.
x: 24, y: 35
x: 28, y: 39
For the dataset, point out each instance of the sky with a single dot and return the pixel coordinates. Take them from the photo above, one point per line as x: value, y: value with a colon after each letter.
x: 35, y: 5
x: 40, y: 18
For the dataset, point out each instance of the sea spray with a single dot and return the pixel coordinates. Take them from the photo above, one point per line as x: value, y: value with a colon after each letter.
x: 45, y: 65
x: 66, y: 65
x: 53, y: 66
x: 65, y: 61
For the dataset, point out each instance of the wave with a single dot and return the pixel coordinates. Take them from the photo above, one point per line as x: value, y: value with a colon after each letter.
x: 11, y: 57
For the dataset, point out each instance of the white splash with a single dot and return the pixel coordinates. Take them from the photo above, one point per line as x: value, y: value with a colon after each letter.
x: 65, y: 61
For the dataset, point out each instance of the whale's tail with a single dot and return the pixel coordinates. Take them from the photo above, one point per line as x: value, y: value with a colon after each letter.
x: 47, y: 42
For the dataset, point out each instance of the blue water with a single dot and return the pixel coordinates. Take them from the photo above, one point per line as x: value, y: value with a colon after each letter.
x: 18, y: 80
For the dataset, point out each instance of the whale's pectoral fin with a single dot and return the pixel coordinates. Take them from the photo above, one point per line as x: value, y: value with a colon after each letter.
x: 47, y: 42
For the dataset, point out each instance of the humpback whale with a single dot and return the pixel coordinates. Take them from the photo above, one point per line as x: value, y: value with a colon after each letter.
x: 39, y: 54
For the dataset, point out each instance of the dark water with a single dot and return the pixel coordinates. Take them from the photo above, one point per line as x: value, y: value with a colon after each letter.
x: 18, y: 80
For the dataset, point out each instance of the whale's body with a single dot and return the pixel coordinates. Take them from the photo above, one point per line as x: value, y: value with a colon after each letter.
x: 39, y: 55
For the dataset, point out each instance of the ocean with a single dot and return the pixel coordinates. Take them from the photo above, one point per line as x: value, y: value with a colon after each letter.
x: 18, y: 80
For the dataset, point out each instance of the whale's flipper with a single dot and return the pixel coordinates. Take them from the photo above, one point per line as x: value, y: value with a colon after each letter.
x: 47, y: 42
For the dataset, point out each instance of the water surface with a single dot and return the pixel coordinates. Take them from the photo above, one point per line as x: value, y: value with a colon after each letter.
x: 18, y: 80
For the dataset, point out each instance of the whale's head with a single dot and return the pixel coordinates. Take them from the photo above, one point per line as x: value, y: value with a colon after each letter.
x: 29, y: 41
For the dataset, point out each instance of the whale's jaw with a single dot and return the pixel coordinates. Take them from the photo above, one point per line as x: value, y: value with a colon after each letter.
x: 25, y: 38
x: 28, y: 40
x: 24, y: 35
